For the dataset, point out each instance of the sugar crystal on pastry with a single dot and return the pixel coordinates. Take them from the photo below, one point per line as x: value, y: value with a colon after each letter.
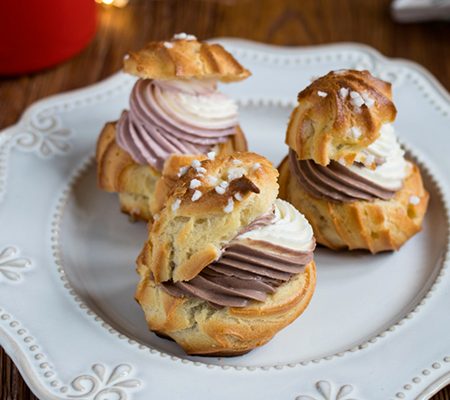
x: 357, y: 100
x: 256, y: 166
x: 195, y: 183
x: 368, y: 101
x: 195, y: 164
x: 414, y: 200
x: 182, y: 170
x: 219, y: 189
x: 238, y: 196
x: 230, y: 205
x: 234, y: 173
x: 212, y: 180
x: 183, y: 36
x: 176, y: 204
x: 355, y: 131
x: 343, y: 92
x: 197, y: 194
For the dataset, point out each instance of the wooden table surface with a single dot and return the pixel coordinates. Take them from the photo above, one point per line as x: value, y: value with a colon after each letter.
x: 282, y: 22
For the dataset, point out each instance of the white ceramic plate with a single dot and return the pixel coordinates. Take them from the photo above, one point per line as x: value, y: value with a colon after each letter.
x: 378, y: 327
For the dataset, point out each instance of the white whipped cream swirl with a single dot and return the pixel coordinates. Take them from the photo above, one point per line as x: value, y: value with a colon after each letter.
x: 386, y: 152
x: 196, y: 103
x: 289, y: 229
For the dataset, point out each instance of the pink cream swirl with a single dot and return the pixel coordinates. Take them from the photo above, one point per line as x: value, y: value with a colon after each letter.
x: 185, y: 117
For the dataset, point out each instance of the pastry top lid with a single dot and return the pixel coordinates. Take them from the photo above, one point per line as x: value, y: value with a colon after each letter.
x: 338, y: 115
x: 212, y: 202
x: 184, y: 57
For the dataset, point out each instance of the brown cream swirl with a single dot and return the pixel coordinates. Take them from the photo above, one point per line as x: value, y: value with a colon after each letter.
x: 175, y: 117
x: 264, y: 255
x: 248, y: 270
x: 335, y: 182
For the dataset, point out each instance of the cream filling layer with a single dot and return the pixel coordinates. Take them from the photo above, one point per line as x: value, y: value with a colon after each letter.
x: 289, y: 229
x: 197, y: 103
x: 386, y: 154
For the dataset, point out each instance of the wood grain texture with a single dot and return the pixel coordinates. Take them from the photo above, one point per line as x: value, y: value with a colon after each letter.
x: 282, y: 22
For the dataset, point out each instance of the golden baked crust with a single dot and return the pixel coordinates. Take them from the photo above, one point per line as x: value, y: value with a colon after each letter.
x: 203, y: 329
x: 141, y: 191
x: 376, y: 226
x: 184, y: 59
x: 320, y: 127
x: 189, y: 235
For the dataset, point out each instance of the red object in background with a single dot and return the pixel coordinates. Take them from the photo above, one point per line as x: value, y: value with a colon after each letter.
x: 36, y: 34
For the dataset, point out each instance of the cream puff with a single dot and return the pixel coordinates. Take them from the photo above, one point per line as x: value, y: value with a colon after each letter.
x: 346, y: 170
x: 226, y: 264
x: 175, y: 108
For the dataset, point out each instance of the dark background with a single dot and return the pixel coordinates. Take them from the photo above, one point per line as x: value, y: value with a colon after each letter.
x: 282, y: 22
